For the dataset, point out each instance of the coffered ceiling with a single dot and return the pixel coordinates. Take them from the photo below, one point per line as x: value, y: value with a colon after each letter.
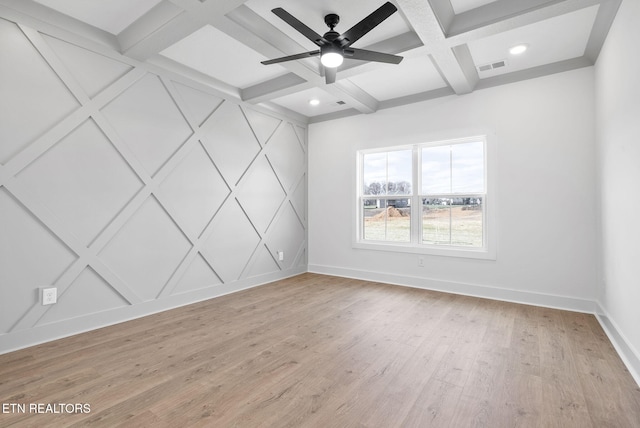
x: 449, y: 46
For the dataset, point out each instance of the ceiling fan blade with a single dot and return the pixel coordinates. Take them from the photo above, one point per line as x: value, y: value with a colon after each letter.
x: 330, y: 74
x: 367, y: 24
x: 291, y: 57
x: 365, y: 55
x: 299, y: 26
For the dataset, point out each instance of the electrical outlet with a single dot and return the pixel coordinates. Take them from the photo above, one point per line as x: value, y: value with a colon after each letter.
x: 280, y: 255
x: 49, y: 295
x: 420, y: 261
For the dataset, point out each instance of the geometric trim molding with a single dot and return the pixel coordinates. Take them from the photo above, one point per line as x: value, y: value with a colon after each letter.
x: 134, y: 190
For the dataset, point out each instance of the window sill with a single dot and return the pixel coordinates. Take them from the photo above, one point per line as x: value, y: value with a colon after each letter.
x: 481, y: 254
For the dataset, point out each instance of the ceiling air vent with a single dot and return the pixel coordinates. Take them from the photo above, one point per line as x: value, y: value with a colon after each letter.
x: 340, y: 102
x: 493, y: 66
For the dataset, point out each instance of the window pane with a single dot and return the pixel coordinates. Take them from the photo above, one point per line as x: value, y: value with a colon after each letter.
x: 436, y: 221
x: 466, y: 222
x: 467, y: 168
x: 436, y: 169
x: 387, y: 220
x: 399, y: 167
x: 373, y: 219
x: 399, y: 220
x: 374, y: 174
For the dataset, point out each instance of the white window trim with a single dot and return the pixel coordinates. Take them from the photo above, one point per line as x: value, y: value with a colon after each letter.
x: 488, y: 252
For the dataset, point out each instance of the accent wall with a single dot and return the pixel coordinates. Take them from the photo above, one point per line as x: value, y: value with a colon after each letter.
x: 132, y: 190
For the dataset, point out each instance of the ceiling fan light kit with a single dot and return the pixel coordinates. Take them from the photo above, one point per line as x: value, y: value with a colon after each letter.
x: 334, y: 46
x: 331, y: 59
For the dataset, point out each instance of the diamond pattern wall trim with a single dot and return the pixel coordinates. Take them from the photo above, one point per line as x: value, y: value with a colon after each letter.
x: 133, y: 190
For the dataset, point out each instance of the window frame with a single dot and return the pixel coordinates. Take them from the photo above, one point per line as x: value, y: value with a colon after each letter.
x: 487, y: 251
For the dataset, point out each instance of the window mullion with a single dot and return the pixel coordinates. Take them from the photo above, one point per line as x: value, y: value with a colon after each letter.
x: 416, y: 206
x: 451, y: 191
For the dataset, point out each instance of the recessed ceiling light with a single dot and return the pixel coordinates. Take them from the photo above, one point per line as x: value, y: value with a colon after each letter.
x: 314, y: 101
x: 518, y: 49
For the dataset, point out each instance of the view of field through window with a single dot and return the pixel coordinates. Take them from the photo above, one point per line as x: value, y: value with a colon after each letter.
x: 387, y: 223
x: 456, y: 222
x: 451, y: 195
x: 443, y: 223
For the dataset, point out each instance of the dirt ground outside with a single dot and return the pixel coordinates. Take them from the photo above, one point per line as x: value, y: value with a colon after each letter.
x: 458, y: 225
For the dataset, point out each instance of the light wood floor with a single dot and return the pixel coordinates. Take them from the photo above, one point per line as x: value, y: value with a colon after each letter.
x: 321, y: 351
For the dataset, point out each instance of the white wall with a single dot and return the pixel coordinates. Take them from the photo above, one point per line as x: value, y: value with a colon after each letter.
x: 543, y: 132
x: 132, y: 190
x: 617, y: 79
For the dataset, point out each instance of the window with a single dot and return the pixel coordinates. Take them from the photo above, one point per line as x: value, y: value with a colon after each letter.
x: 427, y: 198
x: 452, y: 191
x: 386, y: 209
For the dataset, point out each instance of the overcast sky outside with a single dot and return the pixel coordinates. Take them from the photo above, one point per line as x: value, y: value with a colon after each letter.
x: 456, y: 168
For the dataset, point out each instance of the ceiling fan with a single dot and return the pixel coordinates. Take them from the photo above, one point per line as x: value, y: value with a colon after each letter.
x: 334, y: 47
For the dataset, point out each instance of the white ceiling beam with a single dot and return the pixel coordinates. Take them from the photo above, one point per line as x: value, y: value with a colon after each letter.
x: 395, y: 45
x: 250, y: 29
x: 286, y: 112
x: 466, y: 65
x: 444, y: 13
x: 535, y: 72
x: 452, y: 71
x: 493, y: 12
x: 351, y: 94
x: 455, y: 71
x: 416, y: 98
x: 606, y: 14
x: 334, y: 115
x: 39, y: 16
x: 423, y: 20
x: 144, y: 41
x: 163, y: 36
x: 394, y: 102
x: 505, y: 15
x: 158, y: 16
x: 180, y: 69
x: 281, y: 86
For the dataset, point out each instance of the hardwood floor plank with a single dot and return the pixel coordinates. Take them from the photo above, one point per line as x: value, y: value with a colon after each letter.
x: 323, y: 351
x: 608, y: 404
x: 487, y: 374
x: 399, y: 398
x: 435, y: 406
x: 522, y: 401
x: 525, y: 343
x: 474, y: 412
x: 564, y: 406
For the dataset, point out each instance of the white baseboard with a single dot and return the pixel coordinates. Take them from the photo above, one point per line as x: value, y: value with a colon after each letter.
x: 628, y: 354
x: 467, y: 289
x: 20, y: 339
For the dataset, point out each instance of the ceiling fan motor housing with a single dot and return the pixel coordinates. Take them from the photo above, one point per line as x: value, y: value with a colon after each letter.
x: 331, y: 36
x: 331, y: 48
